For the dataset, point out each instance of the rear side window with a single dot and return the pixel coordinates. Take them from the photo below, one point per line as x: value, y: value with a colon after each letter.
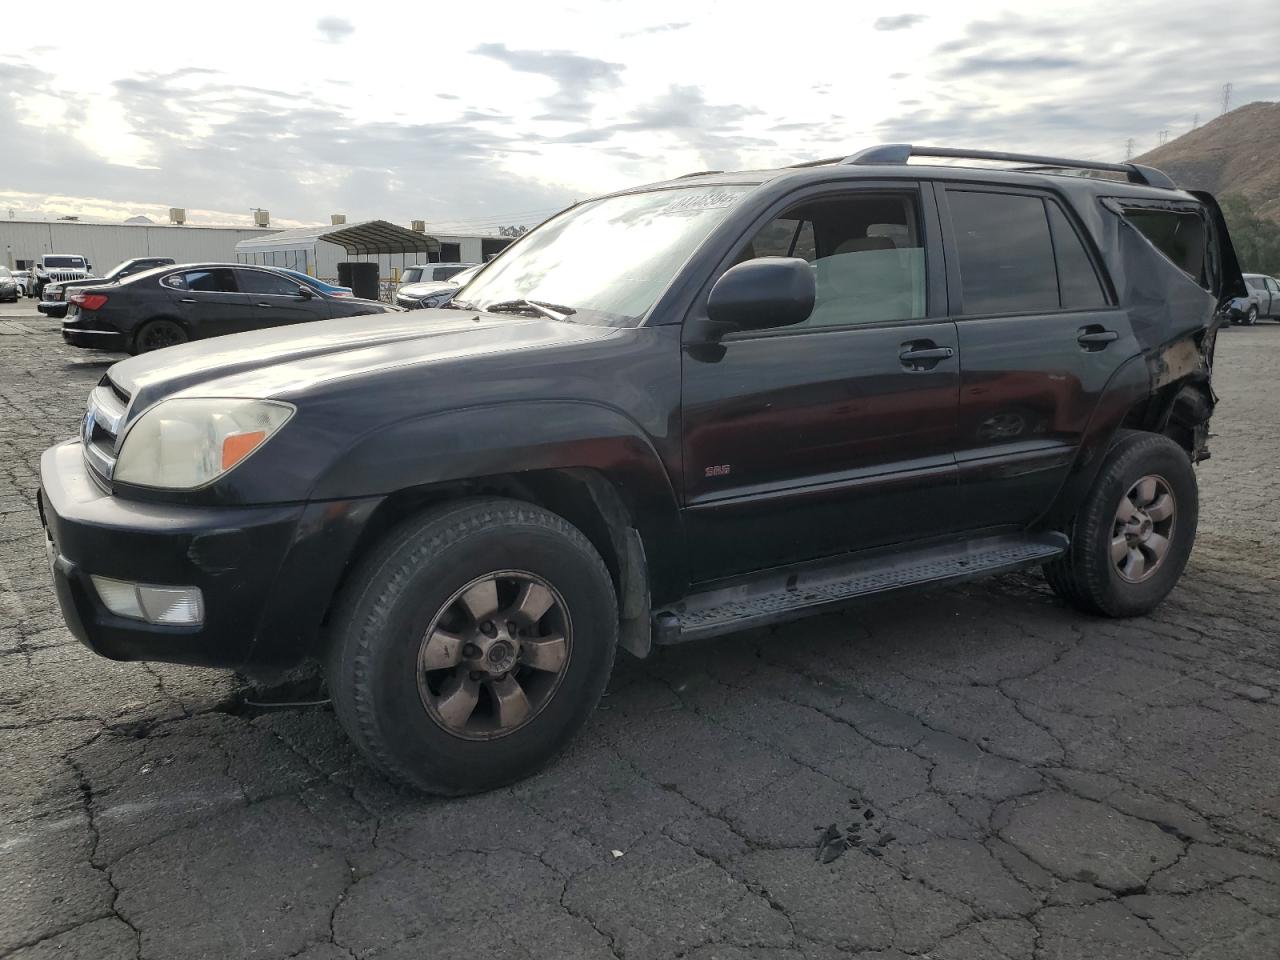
x: 1077, y: 280
x: 1005, y: 251
x: 218, y: 280
x: 1181, y: 235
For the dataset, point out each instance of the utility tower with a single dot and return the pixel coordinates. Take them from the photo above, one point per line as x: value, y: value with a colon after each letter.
x: 1195, y: 121
x: 1128, y: 149
x: 1226, y: 97
x: 1163, y: 137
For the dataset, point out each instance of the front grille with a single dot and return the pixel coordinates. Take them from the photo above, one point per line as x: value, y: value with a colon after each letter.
x: 62, y: 276
x: 100, y: 428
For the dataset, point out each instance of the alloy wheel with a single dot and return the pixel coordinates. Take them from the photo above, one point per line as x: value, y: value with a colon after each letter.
x: 494, y: 655
x: 1143, y: 528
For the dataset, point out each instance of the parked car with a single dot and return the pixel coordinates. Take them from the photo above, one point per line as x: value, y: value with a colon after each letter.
x: 430, y: 273
x: 434, y: 293
x: 26, y: 282
x: 1261, y: 300
x: 59, y: 268
x: 9, y: 289
x: 794, y: 390
x: 194, y: 301
x: 54, y: 302
x: 332, y: 289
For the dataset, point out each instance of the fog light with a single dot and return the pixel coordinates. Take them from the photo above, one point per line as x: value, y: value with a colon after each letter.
x: 154, y: 604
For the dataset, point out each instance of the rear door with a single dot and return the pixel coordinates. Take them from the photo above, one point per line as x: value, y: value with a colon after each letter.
x: 207, y: 301
x: 836, y: 434
x: 1273, y: 298
x: 275, y: 300
x: 1040, y: 336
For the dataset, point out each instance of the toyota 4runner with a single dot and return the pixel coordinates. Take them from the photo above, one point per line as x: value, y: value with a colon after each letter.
x: 673, y: 412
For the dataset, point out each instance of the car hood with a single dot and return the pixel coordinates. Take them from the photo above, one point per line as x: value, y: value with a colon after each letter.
x: 287, y: 361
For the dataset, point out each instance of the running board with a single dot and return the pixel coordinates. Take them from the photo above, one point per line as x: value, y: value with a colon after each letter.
x: 800, y: 591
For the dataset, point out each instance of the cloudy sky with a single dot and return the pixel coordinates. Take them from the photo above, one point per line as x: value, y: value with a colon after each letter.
x: 498, y: 113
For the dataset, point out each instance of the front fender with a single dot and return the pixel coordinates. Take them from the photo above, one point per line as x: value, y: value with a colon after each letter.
x: 511, y: 438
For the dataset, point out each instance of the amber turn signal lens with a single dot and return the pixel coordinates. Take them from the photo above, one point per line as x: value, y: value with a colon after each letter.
x: 239, y: 445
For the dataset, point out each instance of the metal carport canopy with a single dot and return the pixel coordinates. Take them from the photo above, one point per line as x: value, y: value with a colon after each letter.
x: 366, y: 237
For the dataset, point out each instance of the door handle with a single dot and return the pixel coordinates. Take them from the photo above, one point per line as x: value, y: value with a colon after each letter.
x: 267, y: 305
x: 923, y: 354
x: 1096, y: 337
x: 188, y: 300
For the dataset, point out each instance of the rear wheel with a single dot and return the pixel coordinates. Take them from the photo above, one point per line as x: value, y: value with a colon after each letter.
x: 158, y: 334
x: 472, y: 645
x: 1132, y: 537
x: 1251, y: 317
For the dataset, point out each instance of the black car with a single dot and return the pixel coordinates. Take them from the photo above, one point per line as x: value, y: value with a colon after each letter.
x: 798, y: 388
x: 195, y: 301
x: 54, y: 302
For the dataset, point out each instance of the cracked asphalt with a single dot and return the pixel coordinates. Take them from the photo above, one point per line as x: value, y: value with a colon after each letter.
x: 1025, y: 781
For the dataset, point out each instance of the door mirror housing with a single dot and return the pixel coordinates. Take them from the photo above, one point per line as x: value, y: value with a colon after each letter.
x: 763, y: 293
x: 305, y: 292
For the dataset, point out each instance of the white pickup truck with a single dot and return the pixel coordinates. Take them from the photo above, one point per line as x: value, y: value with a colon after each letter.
x: 60, y: 267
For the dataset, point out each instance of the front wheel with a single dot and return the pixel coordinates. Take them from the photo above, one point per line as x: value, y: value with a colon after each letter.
x: 1251, y: 317
x: 472, y: 645
x: 1133, y: 535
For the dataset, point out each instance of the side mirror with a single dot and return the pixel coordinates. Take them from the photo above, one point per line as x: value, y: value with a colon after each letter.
x: 763, y: 293
x: 305, y: 293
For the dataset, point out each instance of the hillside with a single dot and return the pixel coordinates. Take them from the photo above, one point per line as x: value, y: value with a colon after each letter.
x: 1238, y: 152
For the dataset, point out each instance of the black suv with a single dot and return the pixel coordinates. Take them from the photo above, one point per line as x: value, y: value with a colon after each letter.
x: 193, y: 301
x: 673, y: 412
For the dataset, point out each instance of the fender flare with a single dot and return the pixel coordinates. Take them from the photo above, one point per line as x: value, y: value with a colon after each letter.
x: 510, y: 438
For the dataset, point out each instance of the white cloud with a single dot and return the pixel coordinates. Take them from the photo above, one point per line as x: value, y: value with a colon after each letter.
x: 505, y: 108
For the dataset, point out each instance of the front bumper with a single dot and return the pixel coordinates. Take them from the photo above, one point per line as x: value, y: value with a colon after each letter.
x: 267, y: 573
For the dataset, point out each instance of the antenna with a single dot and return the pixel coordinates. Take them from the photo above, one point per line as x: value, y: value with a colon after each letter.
x: 1226, y: 97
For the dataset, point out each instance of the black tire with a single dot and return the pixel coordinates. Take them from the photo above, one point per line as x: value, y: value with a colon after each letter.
x: 402, y: 588
x: 1251, y: 317
x: 1088, y: 576
x: 158, y: 334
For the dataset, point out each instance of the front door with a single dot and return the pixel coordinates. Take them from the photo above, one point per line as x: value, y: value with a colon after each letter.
x: 274, y: 300
x: 1040, y: 337
x: 838, y: 433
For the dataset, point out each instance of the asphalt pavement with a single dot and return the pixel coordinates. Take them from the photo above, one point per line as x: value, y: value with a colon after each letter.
x: 995, y: 774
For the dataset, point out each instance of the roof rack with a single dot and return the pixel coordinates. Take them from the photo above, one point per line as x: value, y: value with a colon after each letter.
x: 902, y: 152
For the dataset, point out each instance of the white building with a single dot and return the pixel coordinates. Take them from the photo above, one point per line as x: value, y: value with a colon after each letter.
x: 311, y: 250
x: 106, y: 244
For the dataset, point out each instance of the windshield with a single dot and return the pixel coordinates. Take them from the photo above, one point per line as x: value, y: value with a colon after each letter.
x: 411, y: 275
x: 607, y: 260
x: 4, y: 272
x: 76, y: 263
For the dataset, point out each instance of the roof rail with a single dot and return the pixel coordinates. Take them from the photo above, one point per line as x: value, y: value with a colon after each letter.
x: 902, y: 152
x: 697, y: 173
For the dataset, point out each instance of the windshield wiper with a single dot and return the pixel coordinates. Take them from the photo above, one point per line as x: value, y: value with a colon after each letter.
x: 552, y: 311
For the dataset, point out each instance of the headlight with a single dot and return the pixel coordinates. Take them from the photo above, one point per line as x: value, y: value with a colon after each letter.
x: 182, y: 444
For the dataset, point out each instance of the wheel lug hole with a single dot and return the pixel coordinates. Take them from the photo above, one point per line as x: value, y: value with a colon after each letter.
x: 477, y: 675
x: 471, y: 651
x: 488, y: 629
